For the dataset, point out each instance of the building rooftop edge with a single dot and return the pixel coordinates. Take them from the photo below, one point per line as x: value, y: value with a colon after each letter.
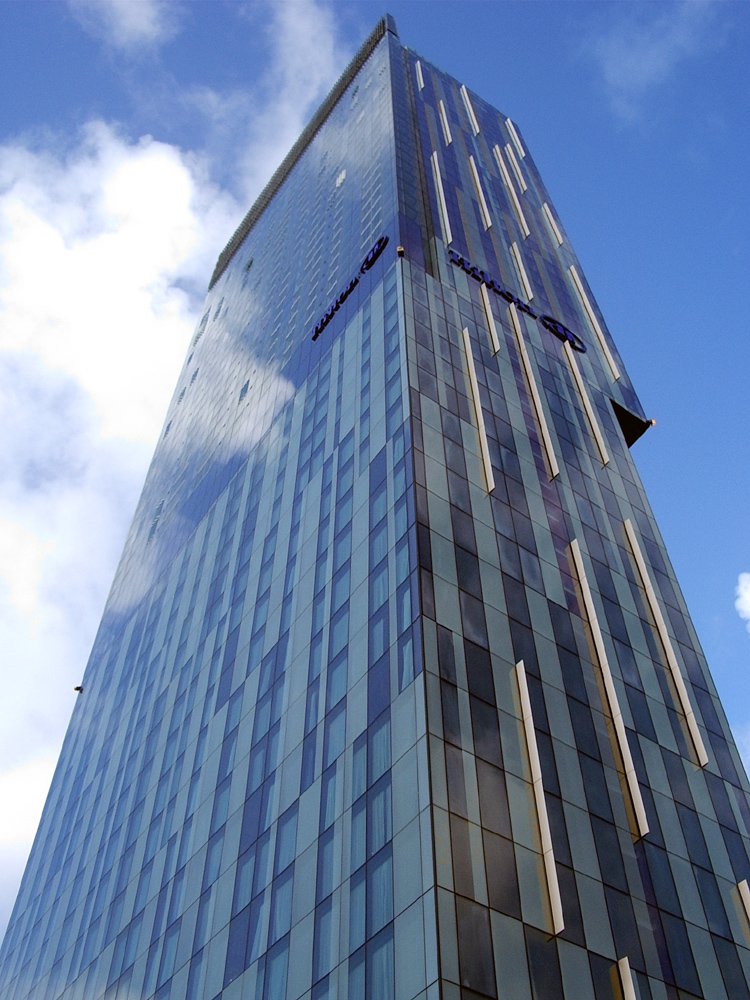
x: 384, y: 25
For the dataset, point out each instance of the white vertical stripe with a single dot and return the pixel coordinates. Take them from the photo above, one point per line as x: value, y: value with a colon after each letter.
x: 511, y: 191
x: 503, y: 168
x: 420, y: 78
x: 470, y: 110
x: 536, y: 398
x: 485, y: 212
x: 516, y: 166
x: 744, y: 891
x: 613, y: 703
x: 552, y: 224
x: 474, y: 385
x: 522, y: 276
x: 444, y: 122
x: 626, y: 979
x: 447, y: 234
x: 550, y: 872
x: 661, y: 627
x: 490, y: 318
x: 514, y: 136
x: 586, y: 402
x: 591, y: 315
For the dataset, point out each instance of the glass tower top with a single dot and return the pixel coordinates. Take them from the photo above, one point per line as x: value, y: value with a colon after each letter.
x: 395, y: 695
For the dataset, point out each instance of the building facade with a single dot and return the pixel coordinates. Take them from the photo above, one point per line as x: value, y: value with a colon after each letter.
x: 395, y: 695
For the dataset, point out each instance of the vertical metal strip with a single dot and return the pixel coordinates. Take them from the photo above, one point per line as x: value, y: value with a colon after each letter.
x: 420, y: 78
x: 494, y: 340
x: 744, y: 891
x: 661, y: 627
x: 516, y: 166
x: 469, y: 110
x: 522, y: 275
x: 591, y: 315
x: 514, y: 136
x: 447, y: 234
x: 536, y: 398
x: 613, y: 703
x: 552, y: 223
x: 474, y: 385
x: 548, y: 854
x: 586, y: 403
x: 484, y: 210
x: 626, y: 979
x: 511, y: 191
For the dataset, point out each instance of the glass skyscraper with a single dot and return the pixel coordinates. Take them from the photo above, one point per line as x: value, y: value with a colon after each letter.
x: 395, y: 695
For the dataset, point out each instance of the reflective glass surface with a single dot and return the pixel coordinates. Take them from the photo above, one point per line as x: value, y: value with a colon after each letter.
x: 299, y: 767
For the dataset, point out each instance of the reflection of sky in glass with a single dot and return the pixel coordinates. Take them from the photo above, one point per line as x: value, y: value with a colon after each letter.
x: 252, y: 348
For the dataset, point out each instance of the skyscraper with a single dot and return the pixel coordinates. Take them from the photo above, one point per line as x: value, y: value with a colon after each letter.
x: 395, y: 694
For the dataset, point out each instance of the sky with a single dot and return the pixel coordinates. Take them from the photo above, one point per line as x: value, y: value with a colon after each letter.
x: 135, y: 135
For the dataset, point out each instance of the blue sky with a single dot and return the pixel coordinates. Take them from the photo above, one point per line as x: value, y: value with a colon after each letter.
x: 133, y: 139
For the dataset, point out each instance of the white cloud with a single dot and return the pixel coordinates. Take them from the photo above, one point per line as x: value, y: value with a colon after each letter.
x: 106, y: 247
x: 104, y: 256
x: 99, y: 247
x: 742, y: 739
x: 128, y: 24
x: 305, y: 62
x: 742, y: 597
x: 251, y: 130
x: 646, y: 46
x: 25, y: 787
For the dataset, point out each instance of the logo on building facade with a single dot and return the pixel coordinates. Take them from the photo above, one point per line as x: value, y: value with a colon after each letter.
x: 372, y: 255
x: 548, y: 322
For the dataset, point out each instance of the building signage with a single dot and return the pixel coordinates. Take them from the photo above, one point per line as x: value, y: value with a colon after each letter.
x: 548, y: 322
x: 372, y: 255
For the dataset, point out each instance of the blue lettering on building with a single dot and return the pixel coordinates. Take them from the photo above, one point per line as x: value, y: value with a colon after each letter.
x: 372, y: 255
x: 548, y: 322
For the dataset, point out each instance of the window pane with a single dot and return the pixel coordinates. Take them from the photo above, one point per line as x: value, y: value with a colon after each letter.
x: 325, y: 865
x: 358, y: 846
x: 328, y: 797
x: 380, y: 747
x: 357, y: 911
x: 337, y: 678
x: 380, y: 966
x: 379, y: 815
x: 357, y: 976
x: 475, y: 947
x: 243, y: 881
x: 276, y: 967
x: 322, y: 958
x: 281, y: 906
x: 379, y: 892
x: 335, y: 734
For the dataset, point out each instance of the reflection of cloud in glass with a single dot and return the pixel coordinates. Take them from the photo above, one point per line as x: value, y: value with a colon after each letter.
x: 195, y: 469
x: 106, y: 245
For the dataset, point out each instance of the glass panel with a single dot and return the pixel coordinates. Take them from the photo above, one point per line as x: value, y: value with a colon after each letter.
x: 380, y: 966
x: 379, y: 892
